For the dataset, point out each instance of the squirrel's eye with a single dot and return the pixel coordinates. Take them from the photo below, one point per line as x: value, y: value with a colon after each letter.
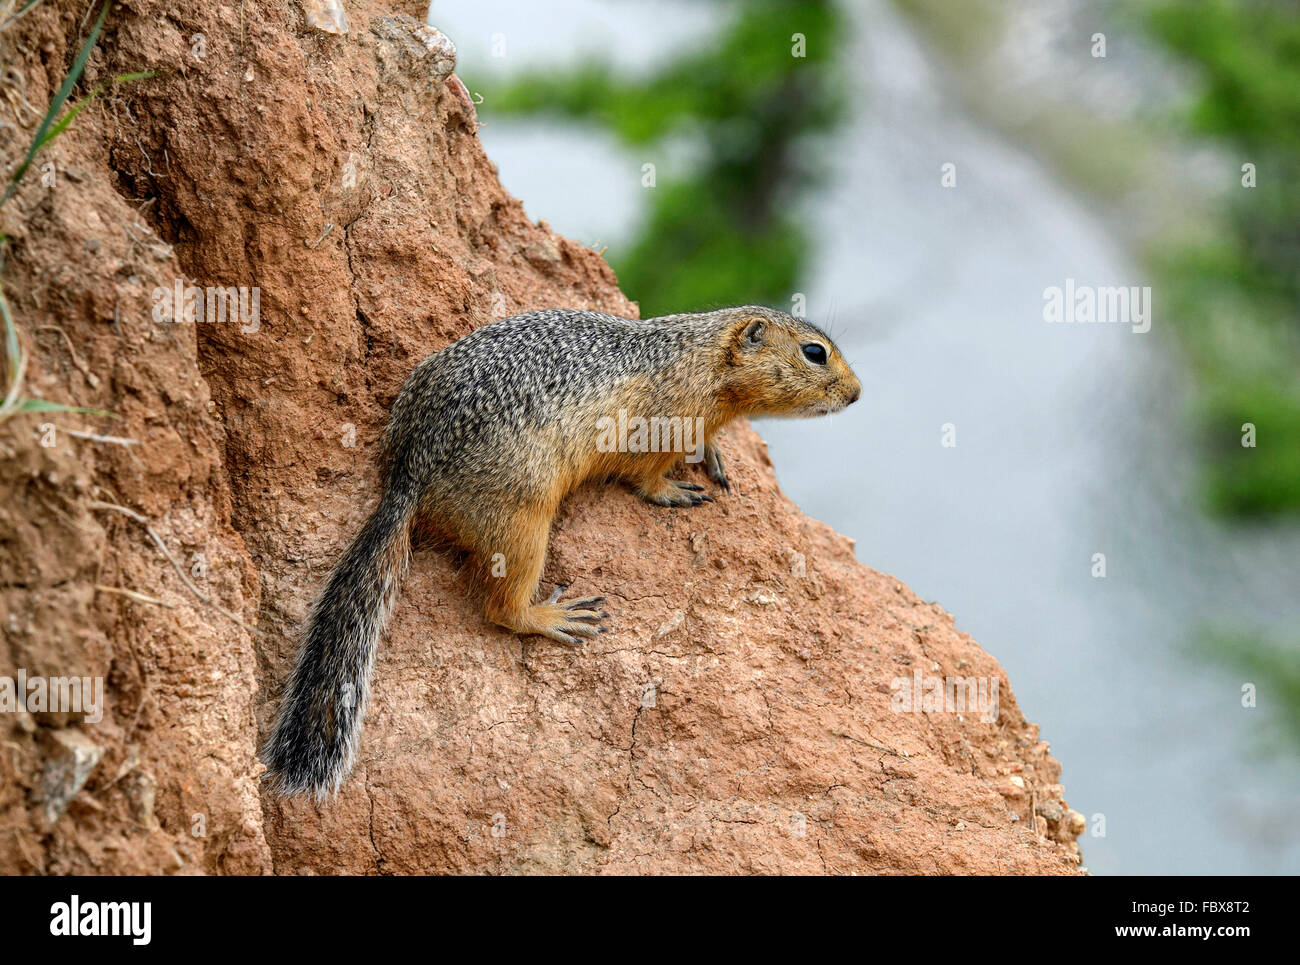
x: 815, y: 353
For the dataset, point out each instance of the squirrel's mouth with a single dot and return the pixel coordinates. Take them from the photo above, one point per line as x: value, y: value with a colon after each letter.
x: 831, y: 408
x: 818, y: 408
x: 839, y: 405
x: 821, y: 409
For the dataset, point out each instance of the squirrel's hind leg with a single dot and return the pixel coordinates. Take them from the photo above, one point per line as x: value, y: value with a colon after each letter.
x: 510, y: 594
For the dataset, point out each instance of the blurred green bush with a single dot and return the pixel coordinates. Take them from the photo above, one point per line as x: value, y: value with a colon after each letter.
x: 726, y: 231
x: 1237, y: 295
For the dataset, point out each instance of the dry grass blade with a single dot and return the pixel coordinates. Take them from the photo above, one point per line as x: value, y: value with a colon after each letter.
x: 143, y: 521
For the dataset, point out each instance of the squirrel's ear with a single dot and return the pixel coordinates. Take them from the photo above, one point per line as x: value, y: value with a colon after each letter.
x: 751, y: 336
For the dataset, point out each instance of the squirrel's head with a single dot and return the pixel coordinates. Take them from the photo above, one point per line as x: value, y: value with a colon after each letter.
x: 780, y: 365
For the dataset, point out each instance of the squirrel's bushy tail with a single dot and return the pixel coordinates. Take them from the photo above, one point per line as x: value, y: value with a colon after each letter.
x: 318, y: 724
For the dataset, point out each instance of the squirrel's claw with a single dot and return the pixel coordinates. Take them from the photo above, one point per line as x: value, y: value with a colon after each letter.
x: 713, y: 467
x: 568, y: 631
x: 580, y: 628
x: 676, y: 492
x: 559, y: 636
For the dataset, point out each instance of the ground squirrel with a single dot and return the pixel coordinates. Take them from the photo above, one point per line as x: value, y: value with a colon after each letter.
x: 490, y: 434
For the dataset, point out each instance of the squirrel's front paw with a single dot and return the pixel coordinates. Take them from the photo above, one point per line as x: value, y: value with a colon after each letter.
x: 673, y: 492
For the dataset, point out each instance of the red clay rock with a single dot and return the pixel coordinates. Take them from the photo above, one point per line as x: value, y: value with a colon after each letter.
x: 738, y: 717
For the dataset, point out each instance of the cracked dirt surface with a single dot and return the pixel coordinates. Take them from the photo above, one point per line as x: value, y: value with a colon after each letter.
x: 738, y: 717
